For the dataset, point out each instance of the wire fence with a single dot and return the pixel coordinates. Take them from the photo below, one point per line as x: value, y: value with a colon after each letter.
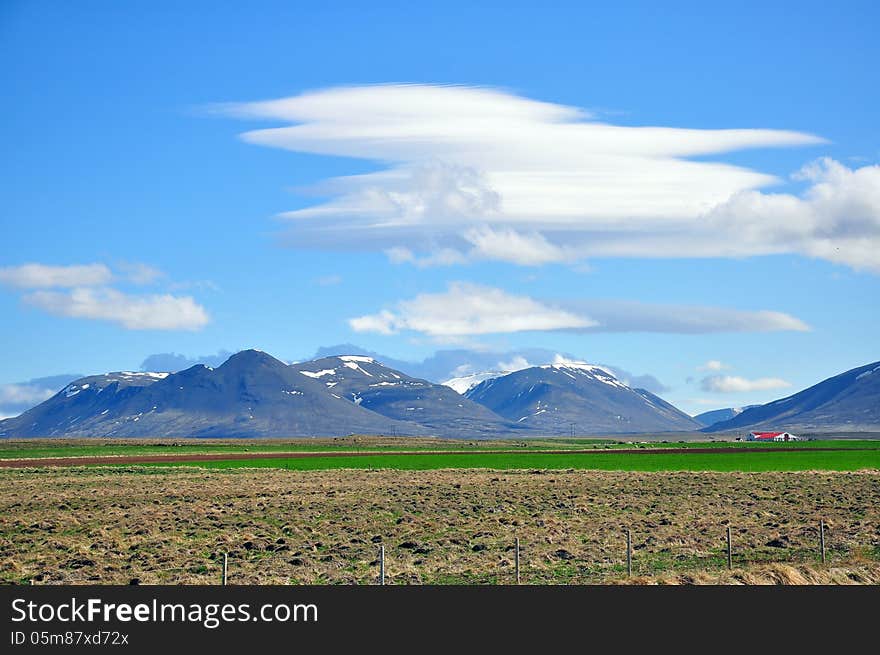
x: 491, y: 559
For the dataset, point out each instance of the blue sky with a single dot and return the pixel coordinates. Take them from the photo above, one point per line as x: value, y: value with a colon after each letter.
x: 521, y: 207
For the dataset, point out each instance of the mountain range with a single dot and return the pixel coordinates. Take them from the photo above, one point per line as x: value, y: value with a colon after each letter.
x: 253, y: 394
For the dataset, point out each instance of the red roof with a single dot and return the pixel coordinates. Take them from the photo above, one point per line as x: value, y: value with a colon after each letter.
x: 766, y: 435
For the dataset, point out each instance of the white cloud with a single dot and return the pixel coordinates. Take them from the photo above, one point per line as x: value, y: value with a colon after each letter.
x: 86, y: 295
x: 42, y: 276
x: 24, y: 394
x: 487, y: 174
x: 736, y: 384
x: 150, y: 312
x: 19, y: 397
x: 383, y: 323
x: 837, y: 218
x: 712, y: 365
x: 517, y: 363
x: 469, y: 309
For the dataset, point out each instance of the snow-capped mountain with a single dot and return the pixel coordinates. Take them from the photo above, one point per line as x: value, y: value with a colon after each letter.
x: 464, y: 383
x: 570, y: 396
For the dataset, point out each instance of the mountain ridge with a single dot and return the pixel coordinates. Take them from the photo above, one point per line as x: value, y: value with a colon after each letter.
x: 847, y: 401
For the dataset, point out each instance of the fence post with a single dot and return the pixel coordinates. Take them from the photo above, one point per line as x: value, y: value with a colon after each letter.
x: 225, y: 567
x: 516, y: 559
x: 822, y: 539
x: 382, y: 565
x: 629, y: 553
x: 729, y: 550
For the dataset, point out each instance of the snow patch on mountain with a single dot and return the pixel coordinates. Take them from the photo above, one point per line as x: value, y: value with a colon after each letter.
x: 318, y: 374
x: 464, y: 383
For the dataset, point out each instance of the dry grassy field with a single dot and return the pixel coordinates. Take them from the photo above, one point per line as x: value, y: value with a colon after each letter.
x: 153, y: 525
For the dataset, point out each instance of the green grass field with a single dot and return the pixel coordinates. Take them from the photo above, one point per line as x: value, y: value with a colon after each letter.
x: 81, y: 448
x: 46, y: 448
x: 805, y: 460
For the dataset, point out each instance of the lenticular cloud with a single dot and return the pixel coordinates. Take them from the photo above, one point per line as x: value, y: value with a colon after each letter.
x: 476, y: 173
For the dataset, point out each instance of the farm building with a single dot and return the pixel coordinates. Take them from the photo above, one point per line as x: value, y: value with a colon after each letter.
x: 772, y: 436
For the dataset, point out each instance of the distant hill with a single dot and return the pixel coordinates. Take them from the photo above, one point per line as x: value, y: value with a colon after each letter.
x: 849, y: 401
x: 575, y: 396
x: 716, y: 415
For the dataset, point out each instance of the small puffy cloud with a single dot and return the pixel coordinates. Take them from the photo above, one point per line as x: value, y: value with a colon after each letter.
x: 736, y: 384
x: 133, y: 312
x: 384, y: 322
x: 42, y: 276
x: 712, y: 365
x: 468, y: 309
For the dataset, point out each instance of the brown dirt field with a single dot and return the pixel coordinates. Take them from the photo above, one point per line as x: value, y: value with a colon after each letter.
x: 205, y: 457
x: 115, y: 525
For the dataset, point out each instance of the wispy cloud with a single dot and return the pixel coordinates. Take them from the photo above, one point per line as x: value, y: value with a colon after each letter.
x: 23, y: 394
x: 467, y: 309
x: 631, y: 316
x: 712, y: 365
x: 42, y: 276
x: 140, y: 273
x: 478, y: 173
x: 736, y: 384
